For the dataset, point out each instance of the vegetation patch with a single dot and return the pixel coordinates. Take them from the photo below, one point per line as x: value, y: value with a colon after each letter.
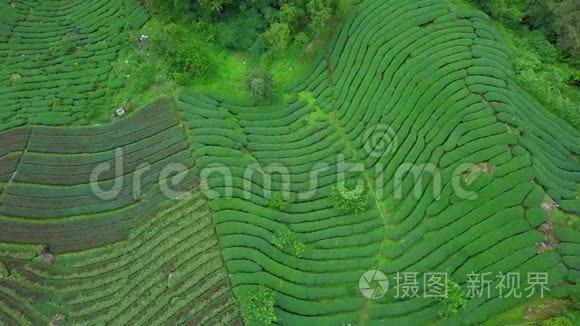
x: 285, y: 239
x: 258, y: 306
x: 454, y: 300
x: 349, y: 197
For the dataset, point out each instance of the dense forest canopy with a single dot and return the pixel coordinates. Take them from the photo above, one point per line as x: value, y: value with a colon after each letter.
x: 557, y: 19
x: 256, y: 27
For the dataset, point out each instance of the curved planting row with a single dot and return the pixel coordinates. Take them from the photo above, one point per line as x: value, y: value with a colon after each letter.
x: 80, y: 188
x: 409, y: 88
x: 169, y: 271
x: 56, y: 57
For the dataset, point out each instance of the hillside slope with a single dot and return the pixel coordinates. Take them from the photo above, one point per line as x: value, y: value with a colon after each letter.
x: 408, y: 86
x: 415, y: 99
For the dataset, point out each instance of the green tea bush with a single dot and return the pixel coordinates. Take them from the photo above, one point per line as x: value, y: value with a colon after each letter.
x: 349, y: 197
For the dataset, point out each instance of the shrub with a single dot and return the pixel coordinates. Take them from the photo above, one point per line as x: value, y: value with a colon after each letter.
x: 187, y: 56
x: 509, y: 11
x: 301, y: 40
x: 260, y: 86
x: 213, y: 5
x: 285, y: 238
x: 68, y: 45
x: 259, y: 306
x: 454, y: 300
x: 279, y: 202
x: 349, y: 197
x: 192, y: 58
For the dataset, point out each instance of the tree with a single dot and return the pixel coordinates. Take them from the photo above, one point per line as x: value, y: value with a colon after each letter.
x: 213, y: 5
x: 557, y: 19
x: 284, y: 238
x: 260, y: 86
x: 255, y: 26
x: 278, y: 35
x: 191, y: 58
x: 510, y: 11
x: 294, y: 16
x: 567, y: 27
x: 320, y: 12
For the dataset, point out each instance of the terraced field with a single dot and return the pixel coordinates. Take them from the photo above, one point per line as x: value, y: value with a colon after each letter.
x: 49, y: 178
x: 141, y: 258
x: 465, y: 173
x: 440, y: 81
x: 168, y: 272
x: 55, y: 58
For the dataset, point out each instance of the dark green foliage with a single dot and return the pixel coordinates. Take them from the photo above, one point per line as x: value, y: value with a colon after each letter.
x: 243, y: 32
x: 254, y: 27
x: 188, y: 56
x: 557, y: 19
x: 191, y: 58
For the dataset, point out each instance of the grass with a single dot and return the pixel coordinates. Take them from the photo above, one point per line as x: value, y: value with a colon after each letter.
x: 230, y: 77
x: 140, y: 75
